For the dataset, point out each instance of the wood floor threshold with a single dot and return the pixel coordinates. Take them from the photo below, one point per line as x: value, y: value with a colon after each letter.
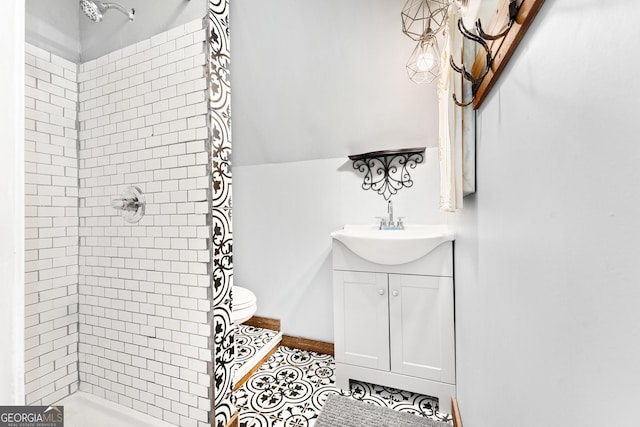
x: 234, y: 422
x: 264, y: 323
x: 307, y: 344
x: 255, y: 368
x: 455, y: 413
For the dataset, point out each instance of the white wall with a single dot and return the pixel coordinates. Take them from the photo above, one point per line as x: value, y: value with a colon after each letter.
x: 328, y: 83
x: 546, y: 261
x: 320, y: 80
x: 283, y: 216
x: 12, y: 206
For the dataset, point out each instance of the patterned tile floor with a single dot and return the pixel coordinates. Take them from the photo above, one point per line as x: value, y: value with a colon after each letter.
x: 252, y: 346
x: 249, y: 342
x: 291, y: 387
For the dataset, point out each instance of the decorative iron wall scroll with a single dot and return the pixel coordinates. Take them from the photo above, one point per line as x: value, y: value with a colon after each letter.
x: 387, y: 172
x: 222, y: 239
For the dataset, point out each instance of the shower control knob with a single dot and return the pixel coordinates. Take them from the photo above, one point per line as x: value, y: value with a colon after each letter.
x: 396, y: 293
x: 131, y: 204
x: 381, y: 292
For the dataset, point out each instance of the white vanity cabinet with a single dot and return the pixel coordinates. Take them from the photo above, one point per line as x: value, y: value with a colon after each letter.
x: 394, y: 324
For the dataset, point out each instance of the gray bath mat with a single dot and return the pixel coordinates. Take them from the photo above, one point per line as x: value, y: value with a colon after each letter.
x: 341, y: 411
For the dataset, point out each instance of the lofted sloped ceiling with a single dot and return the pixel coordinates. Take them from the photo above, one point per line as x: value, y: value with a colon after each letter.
x: 323, y: 79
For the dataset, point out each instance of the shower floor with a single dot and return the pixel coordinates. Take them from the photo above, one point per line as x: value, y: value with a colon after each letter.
x: 83, y: 409
x: 290, y: 389
x: 253, y: 344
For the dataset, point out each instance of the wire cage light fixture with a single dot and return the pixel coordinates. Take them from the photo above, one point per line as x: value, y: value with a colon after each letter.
x: 424, y: 63
x: 420, y: 17
x: 422, y: 21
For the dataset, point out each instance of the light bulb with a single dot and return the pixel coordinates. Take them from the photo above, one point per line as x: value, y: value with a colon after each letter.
x: 425, y: 61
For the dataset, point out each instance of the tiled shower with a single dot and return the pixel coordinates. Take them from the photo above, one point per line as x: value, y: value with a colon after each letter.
x: 144, y: 287
x: 123, y: 311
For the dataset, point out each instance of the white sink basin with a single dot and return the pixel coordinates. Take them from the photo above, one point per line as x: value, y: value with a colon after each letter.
x: 393, y: 247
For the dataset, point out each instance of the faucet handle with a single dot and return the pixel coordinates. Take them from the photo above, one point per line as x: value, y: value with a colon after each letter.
x: 119, y: 203
x: 400, y: 223
x: 383, y: 222
x: 126, y: 204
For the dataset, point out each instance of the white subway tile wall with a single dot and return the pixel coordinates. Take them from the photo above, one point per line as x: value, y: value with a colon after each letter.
x: 145, y: 288
x: 51, y: 227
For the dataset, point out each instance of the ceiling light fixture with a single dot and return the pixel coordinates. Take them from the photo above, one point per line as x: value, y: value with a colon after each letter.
x: 420, y: 17
x: 424, y: 63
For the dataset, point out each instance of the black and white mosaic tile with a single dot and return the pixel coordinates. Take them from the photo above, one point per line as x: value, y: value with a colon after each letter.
x: 252, y: 344
x: 249, y: 340
x: 291, y: 387
x: 219, y: 98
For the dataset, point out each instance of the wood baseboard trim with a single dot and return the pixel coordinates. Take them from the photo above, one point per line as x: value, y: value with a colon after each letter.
x: 255, y: 368
x: 264, y: 322
x: 307, y: 344
x: 455, y: 413
x: 235, y: 420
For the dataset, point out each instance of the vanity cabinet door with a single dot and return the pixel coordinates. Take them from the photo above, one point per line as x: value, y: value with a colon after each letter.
x: 422, y: 327
x: 361, y: 319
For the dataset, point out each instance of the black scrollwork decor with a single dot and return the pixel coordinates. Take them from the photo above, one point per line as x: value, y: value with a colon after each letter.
x: 387, y: 172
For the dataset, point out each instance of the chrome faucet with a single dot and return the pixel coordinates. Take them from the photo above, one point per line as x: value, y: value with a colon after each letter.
x: 389, y: 223
x: 125, y: 204
x: 131, y: 204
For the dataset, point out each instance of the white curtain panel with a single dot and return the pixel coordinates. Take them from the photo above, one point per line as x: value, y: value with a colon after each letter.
x: 450, y: 138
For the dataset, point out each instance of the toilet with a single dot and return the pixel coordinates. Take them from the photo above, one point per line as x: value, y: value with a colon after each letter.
x: 244, y: 305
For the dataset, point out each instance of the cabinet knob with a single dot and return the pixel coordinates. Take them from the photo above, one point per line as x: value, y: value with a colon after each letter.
x: 396, y: 293
x: 380, y: 291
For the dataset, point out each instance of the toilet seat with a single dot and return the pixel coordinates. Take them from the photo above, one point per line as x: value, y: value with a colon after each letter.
x: 244, y: 305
